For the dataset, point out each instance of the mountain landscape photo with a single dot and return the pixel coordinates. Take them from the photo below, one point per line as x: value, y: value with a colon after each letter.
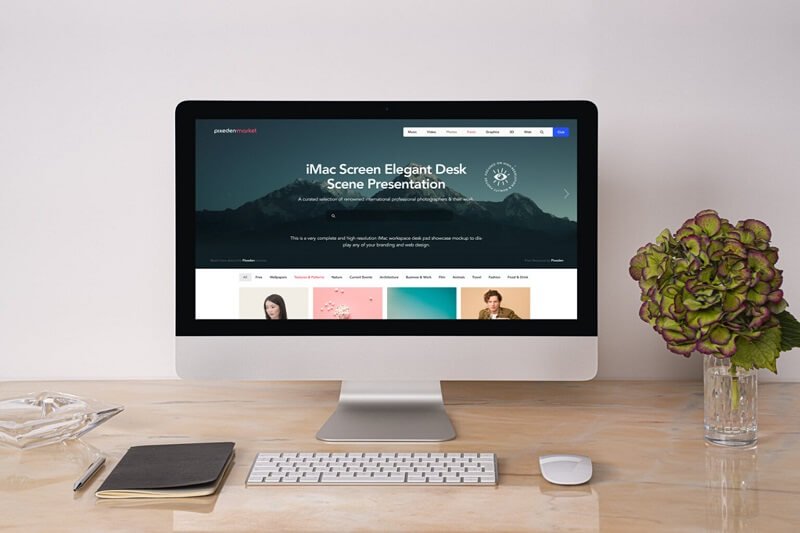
x: 509, y: 233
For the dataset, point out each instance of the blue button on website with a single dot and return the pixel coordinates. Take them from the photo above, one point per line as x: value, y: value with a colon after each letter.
x: 560, y: 132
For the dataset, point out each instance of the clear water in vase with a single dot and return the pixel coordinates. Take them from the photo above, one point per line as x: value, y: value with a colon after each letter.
x: 731, y: 403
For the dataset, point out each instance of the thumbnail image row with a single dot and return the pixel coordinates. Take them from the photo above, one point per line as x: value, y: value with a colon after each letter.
x: 283, y: 303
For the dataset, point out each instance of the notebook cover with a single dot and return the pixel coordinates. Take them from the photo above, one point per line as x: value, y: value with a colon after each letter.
x: 187, y: 493
x: 169, y: 466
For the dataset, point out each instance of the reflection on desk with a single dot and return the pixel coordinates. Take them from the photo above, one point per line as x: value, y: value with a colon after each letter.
x: 732, y: 481
x: 37, y: 467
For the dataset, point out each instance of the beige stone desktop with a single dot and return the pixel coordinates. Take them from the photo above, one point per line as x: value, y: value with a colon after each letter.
x: 652, y: 468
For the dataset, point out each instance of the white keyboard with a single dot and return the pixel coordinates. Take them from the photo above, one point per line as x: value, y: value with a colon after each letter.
x: 374, y: 469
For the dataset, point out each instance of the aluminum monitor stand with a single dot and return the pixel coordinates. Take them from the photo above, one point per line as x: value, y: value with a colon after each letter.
x: 383, y: 411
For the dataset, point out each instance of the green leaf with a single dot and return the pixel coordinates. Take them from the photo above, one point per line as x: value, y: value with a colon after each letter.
x: 762, y: 352
x: 790, y: 331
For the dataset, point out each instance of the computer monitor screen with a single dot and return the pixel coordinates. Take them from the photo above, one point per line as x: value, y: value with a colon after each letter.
x: 393, y: 220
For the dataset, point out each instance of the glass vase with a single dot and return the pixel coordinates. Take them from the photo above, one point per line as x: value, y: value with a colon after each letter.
x: 731, y: 403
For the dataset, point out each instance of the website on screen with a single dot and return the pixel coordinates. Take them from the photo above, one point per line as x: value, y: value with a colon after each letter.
x: 386, y: 219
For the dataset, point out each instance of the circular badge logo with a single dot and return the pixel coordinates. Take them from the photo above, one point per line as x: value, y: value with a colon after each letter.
x: 500, y: 176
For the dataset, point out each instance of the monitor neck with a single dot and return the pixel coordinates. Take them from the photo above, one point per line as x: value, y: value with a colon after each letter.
x: 389, y: 411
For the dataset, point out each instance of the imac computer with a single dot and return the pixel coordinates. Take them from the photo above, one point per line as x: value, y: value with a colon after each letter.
x: 389, y: 245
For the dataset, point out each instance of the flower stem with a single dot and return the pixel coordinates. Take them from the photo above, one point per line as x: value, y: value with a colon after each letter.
x: 734, y: 388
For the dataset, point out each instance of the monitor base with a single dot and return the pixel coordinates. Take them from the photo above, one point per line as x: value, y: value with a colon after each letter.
x: 389, y: 411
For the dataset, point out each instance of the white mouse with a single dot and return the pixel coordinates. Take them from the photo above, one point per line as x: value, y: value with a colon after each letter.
x: 566, y: 469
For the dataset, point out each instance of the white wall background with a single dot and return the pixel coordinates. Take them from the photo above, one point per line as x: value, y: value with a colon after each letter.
x: 698, y: 108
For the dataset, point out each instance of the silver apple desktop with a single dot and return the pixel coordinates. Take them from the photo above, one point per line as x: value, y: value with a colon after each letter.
x: 389, y: 245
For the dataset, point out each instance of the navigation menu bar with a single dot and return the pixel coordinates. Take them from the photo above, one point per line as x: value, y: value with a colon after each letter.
x: 522, y: 131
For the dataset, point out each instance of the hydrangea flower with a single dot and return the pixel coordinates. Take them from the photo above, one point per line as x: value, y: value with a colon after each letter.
x: 710, y: 285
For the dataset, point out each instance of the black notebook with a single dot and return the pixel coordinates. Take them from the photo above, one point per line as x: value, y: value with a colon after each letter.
x: 169, y: 471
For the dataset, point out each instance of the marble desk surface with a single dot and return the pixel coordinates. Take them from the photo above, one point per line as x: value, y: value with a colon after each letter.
x: 652, y: 469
